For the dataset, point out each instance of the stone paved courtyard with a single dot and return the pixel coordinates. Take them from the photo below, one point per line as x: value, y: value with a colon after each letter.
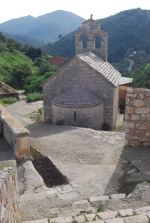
x: 94, y: 161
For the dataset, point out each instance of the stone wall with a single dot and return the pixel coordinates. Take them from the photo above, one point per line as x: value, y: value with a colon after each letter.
x: 6, y: 91
x: 137, y: 117
x: 9, y: 194
x: 76, y: 74
x: 15, y: 134
x: 90, y: 117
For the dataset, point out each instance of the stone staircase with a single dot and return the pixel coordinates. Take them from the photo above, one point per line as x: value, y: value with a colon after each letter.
x: 96, y: 210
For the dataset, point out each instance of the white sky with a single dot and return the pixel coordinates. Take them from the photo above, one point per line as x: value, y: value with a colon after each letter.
x: 10, y: 9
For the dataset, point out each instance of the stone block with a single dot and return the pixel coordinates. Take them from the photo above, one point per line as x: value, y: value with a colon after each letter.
x: 117, y: 196
x: 136, y: 219
x: 98, y: 221
x: 140, y: 96
x: 129, y: 110
x: 45, y: 220
x: 130, y: 91
x: 138, y: 103
x: 98, y: 201
x: 116, y: 220
x: 140, y: 90
x: 135, y: 117
x: 107, y: 215
x: 143, y: 210
x: 143, y: 117
x: 148, y: 116
x: 129, y: 125
x: 79, y: 219
x: 90, y: 217
x: 144, y: 110
x: 83, y: 204
x: 126, y: 212
x: 62, y: 220
x: 127, y: 117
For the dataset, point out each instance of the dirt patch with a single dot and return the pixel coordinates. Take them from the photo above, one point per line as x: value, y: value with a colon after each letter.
x: 49, y: 172
x: 125, y: 186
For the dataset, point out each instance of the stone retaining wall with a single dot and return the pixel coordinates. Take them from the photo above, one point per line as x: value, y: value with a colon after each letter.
x: 137, y: 117
x: 9, y: 195
x: 15, y: 134
x: 6, y: 91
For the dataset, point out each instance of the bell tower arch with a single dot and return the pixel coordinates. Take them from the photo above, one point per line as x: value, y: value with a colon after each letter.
x: 91, y: 38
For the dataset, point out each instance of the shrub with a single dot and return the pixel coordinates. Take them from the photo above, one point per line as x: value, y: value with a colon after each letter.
x: 36, y: 96
x: 7, y: 101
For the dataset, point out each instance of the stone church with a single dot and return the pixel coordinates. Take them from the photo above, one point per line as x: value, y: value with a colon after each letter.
x: 84, y: 92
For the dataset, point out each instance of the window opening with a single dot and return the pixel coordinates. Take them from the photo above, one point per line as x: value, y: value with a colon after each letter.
x: 84, y: 42
x: 97, y: 42
x: 91, y: 27
x: 75, y: 116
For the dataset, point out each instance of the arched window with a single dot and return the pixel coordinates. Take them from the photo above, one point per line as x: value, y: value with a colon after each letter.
x: 97, y: 42
x: 84, y: 42
x: 91, y: 27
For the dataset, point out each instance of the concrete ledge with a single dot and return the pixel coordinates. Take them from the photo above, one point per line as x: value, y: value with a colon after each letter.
x: 15, y: 134
x: 7, y: 91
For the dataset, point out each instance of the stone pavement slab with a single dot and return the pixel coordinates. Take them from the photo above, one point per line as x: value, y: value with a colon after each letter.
x: 79, y: 219
x: 116, y: 220
x: 126, y: 212
x: 137, y: 219
x: 107, y: 215
x: 45, y: 220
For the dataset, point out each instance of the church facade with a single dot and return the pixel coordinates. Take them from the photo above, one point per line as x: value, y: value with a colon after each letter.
x: 84, y: 92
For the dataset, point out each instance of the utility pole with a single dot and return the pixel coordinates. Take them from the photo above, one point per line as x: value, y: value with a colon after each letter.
x: 136, y: 67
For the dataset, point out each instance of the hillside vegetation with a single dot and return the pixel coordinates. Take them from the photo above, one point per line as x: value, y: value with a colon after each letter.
x: 49, y: 27
x: 127, y: 29
x: 23, y: 67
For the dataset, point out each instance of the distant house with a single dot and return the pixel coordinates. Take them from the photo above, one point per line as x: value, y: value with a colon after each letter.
x: 58, y: 61
x: 124, y: 84
x: 130, y: 51
x: 84, y: 92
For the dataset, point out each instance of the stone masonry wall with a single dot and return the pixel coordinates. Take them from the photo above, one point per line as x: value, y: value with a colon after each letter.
x: 76, y: 74
x: 9, y: 194
x: 137, y: 117
x: 90, y: 117
x: 15, y: 134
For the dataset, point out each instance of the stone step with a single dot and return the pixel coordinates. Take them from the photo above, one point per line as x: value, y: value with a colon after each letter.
x: 141, y: 215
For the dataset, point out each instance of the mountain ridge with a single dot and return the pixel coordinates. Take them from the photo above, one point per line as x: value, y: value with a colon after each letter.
x: 47, y: 27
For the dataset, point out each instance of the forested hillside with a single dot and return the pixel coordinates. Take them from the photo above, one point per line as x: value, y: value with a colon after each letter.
x: 23, y: 67
x: 126, y: 29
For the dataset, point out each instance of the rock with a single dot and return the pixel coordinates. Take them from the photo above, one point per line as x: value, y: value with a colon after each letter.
x: 79, y: 219
x: 117, y: 196
x: 144, y: 210
x: 83, y: 204
x: 116, y: 220
x: 99, y: 201
x: 90, y: 217
x: 61, y: 220
x: 126, y: 212
x: 107, y: 215
x: 132, y: 171
x: 136, y: 219
x: 140, y: 189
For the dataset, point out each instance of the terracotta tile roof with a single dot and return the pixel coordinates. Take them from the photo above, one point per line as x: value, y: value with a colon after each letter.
x: 103, y: 68
x: 58, y: 61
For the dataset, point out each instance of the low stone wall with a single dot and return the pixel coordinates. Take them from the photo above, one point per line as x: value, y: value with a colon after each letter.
x: 15, y: 134
x: 9, y: 194
x: 137, y: 117
x: 7, y: 91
